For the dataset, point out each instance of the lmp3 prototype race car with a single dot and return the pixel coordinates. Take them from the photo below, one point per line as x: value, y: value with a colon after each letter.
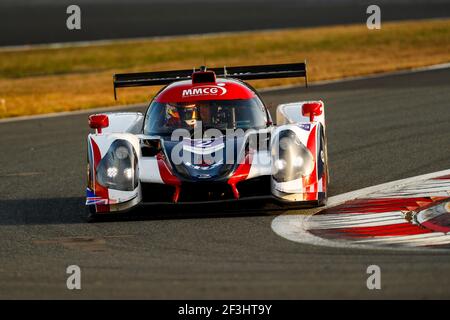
x: 207, y: 136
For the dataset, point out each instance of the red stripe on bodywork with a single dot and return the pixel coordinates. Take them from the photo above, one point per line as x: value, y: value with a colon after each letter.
x: 168, y: 177
x: 240, y: 174
x: 312, y: 180
x: 99, y: 190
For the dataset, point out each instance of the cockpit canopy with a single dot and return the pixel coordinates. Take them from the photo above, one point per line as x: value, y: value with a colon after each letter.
x: 164, y: 117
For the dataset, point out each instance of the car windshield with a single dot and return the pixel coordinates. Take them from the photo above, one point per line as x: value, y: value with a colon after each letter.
x: 162, y: 118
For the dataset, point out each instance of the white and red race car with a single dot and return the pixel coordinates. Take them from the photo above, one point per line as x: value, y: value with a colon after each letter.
x: 207, y: 136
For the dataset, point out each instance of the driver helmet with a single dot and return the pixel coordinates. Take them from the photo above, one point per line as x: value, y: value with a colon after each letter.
x: 191, y: 116
x: 172, y: 115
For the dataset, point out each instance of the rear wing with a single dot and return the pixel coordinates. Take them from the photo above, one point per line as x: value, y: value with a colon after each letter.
x: 270, y: 71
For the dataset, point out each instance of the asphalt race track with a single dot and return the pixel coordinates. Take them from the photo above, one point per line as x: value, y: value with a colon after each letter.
x: 379, y: 130
x: 44, y: 21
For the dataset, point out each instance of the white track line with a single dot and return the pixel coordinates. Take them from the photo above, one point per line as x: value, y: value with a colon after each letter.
x: 293, y: 227
x: 269, y: 89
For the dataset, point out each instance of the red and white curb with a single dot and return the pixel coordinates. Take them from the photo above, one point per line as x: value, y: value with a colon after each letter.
x: 409, y: 213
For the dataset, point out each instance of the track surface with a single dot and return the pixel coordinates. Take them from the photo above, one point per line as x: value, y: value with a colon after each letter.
x: 379, y: 130
x: 44, y: 21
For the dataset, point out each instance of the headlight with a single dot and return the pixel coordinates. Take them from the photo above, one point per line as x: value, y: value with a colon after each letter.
x: 111, y: 172
x: 298, y: 162
x: 128, y: 173
x: 118, y: 168
x: 290, y: 158
x: 121, y: 153
x: 279, y: 164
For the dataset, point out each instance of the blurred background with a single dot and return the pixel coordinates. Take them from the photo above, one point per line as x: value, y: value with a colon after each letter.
x: 39, y: 21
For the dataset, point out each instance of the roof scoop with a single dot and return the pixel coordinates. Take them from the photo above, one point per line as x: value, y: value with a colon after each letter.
x: 203, y: 76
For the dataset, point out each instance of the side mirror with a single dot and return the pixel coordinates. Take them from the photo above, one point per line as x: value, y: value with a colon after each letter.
x: 312, y: 109
x: 98, y: 122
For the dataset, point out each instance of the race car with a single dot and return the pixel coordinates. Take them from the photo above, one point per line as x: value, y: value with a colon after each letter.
x: 207, y: 136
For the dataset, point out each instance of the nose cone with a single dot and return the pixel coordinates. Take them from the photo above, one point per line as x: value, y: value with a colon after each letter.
x: 204, y: 171
x: 204, y: 159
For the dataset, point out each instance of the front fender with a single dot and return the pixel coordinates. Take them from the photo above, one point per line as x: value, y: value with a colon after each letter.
x: 102, y: 192
x: 298, y: 162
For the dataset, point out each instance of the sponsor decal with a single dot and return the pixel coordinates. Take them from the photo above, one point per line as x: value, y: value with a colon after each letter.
x: 305, y: 126
x: 203, y: 176
x: 207, y: 90
x: 203, y: 146
x: 92, y: 198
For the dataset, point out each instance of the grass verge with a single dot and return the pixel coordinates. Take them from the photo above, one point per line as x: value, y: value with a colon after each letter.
x: 52, y: 80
